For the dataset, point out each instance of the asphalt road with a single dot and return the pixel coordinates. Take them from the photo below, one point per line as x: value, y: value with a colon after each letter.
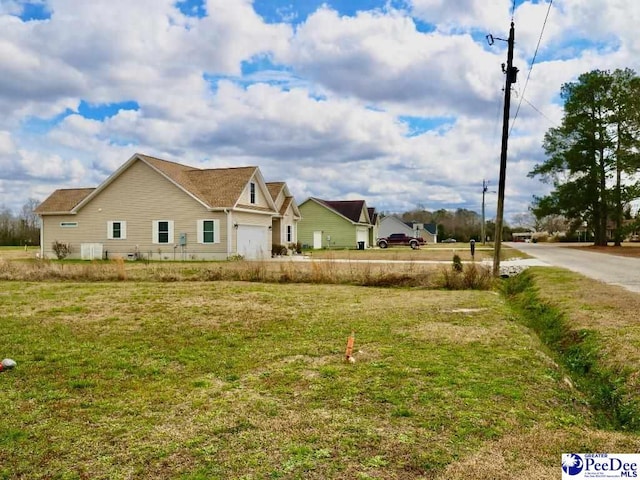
x: 622, y: 271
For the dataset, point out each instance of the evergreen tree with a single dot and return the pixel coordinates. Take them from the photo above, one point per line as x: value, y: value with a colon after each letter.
x: 592, y: 155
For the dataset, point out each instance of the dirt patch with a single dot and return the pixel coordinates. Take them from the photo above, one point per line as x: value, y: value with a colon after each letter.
x: 623, y: 251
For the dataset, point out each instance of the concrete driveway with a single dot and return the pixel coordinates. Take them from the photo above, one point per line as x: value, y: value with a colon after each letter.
x: 612, y: 269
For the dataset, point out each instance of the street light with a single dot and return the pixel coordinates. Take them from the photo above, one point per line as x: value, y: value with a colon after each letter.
x: 485, y: 189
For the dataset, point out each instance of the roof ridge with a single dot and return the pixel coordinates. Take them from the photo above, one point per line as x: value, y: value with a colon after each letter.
x: 157, y: 159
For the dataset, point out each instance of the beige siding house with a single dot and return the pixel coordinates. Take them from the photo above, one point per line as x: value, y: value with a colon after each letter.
x: 285, y: 224
x: 161, y: 210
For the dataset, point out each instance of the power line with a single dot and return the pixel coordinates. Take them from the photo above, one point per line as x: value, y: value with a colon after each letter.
x: 535, y: 54
x: 536, y: 109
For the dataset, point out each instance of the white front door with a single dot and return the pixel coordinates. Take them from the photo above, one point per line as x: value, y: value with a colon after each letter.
x: 362, y: 235
x: 252, y: 242
x: 317, y: 240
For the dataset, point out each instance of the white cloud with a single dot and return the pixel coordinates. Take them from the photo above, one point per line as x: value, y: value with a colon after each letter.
x: 462, y: 14
x: 382, y: 57
x: 326, y: 118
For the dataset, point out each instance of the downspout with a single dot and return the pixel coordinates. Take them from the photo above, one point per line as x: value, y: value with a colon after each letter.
x: 229, y: 231
x: 41, y: 237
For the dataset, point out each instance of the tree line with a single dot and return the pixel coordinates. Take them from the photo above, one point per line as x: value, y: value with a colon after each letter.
x: 20, y: 229
x: 461, y: 224
x: 593, y: 156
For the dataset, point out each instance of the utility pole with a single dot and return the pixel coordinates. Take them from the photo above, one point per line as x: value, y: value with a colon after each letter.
x: 511, y: 73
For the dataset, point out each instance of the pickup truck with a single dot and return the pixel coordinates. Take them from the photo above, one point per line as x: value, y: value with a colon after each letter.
x: 401, y: 239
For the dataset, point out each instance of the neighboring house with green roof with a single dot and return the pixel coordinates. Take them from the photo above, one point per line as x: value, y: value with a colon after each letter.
x: 334, y: 223
x: 160, y: 210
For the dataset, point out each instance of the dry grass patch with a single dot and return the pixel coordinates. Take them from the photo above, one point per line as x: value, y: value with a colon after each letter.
x: 256, y: 271
x: 536, y: 455
x: 195, y: 380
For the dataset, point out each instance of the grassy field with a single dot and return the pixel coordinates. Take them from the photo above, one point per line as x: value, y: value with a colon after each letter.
x: 171, y: 377
x: 202, y: 380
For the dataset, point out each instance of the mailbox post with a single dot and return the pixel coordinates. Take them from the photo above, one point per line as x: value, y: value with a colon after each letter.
x: 472, y: 246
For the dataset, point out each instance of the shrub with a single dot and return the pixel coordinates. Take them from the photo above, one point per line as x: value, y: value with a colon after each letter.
x: 477, y: 278
x: 457, y: 263
x: 474, y: 277
x: 296, y: 247
x: 278, y: 250
x: 62, y: 250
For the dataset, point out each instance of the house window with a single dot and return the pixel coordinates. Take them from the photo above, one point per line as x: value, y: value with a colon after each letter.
x: 208, y: 231
x: 289, y: 233
x: 116, y: 230
x: 162, y: 231
x: 68, y: 224
x: 252, y: 193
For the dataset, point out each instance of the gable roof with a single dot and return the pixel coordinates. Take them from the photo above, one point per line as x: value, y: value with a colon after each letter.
x: 373, y: 215
x: 352, y: 209
x: 275, y: 188
x: 213, y: 188
x: 349, y: 209
x: 392, y: 218
x: 432, y: 228
x: 63, y: 200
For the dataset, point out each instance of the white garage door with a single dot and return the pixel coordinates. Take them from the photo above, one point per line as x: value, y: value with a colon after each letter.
x: 362, y: 234
x: 252, y: 242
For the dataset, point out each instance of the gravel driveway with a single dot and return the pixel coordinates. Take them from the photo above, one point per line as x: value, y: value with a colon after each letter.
x: 612, y: 269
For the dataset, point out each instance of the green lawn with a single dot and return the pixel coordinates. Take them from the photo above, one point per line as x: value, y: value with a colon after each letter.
x: 202, y: 380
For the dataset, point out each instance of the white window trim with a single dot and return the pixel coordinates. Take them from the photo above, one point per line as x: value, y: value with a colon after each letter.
x: 255, y: 193
x: 156, y: 232
x: 123, y: 230
x: 288, y: 231
x: 216, y: 231
x: 68, y: 224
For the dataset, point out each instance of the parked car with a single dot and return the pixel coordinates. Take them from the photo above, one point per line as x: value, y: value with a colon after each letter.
x: 401, y: 239
x: 449, y: 240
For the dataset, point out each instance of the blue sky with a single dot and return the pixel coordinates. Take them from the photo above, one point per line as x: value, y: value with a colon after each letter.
x: 398, y: 102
